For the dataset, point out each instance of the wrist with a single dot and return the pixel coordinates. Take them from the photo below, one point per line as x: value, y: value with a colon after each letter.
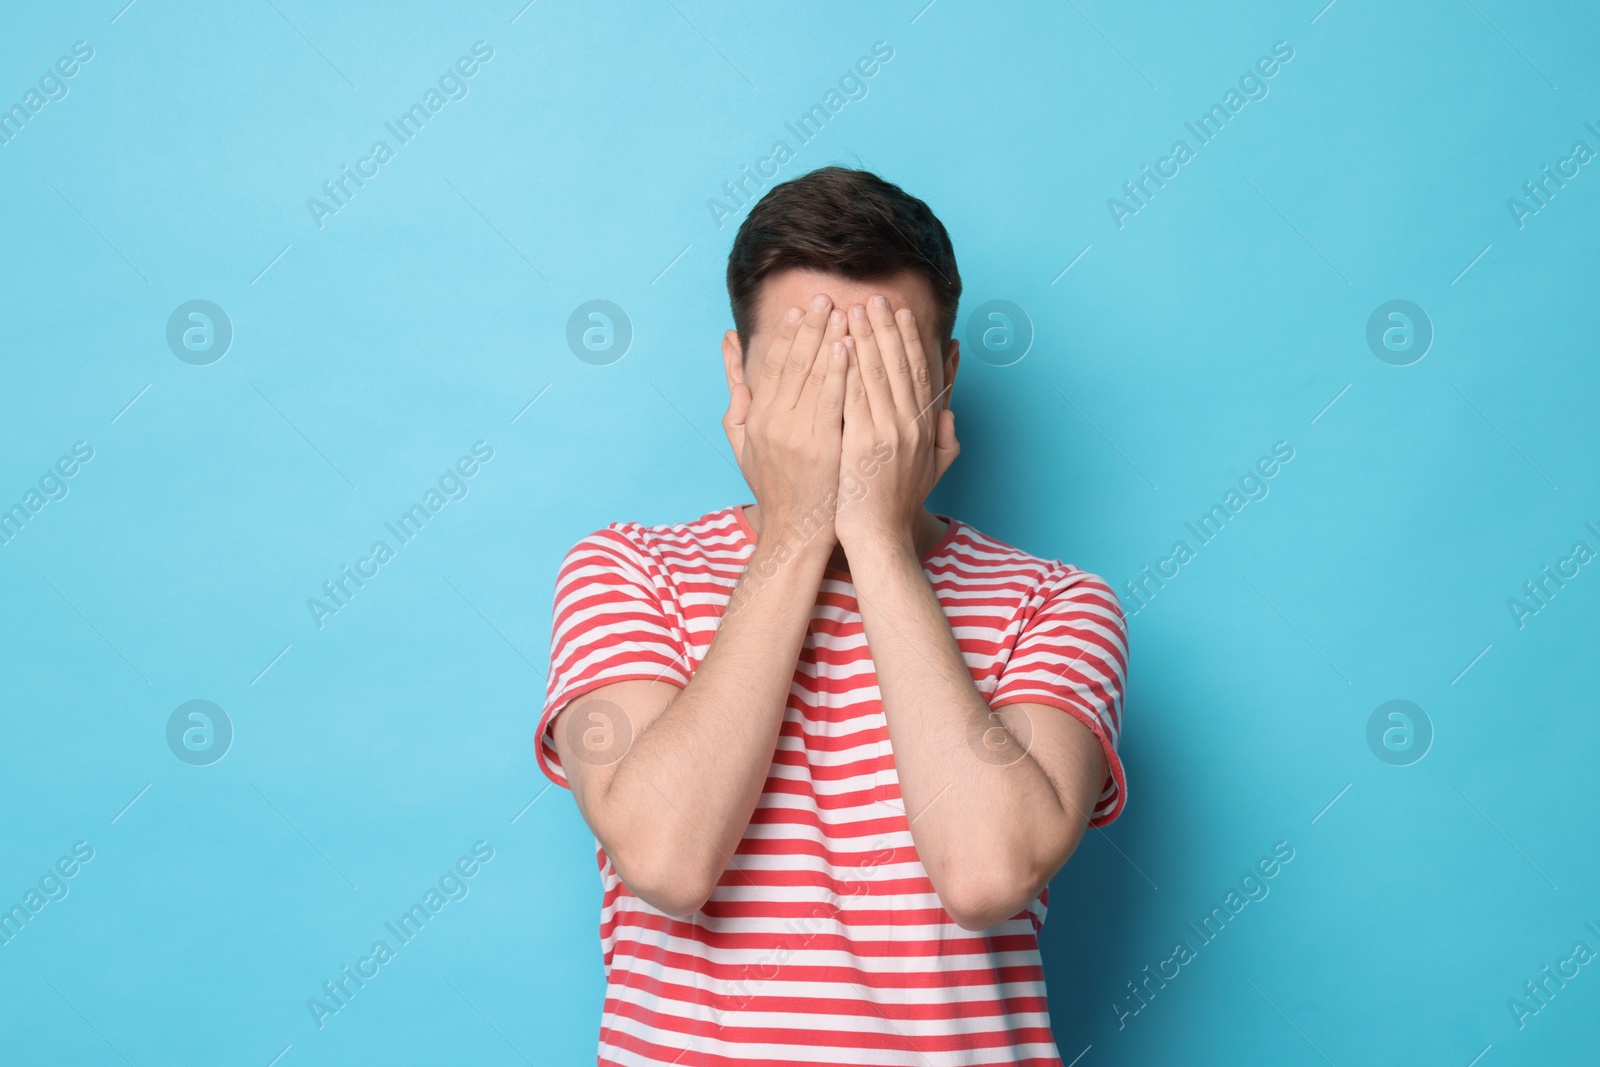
x: 800, y: 532
x: 879, y: 545
x: 779, y: 572
x: 798, y: 546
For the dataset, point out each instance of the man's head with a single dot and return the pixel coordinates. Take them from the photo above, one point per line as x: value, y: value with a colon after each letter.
x: 849, y: 234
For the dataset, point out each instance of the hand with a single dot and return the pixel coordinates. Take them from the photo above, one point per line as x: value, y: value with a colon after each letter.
x: 898, y: 438
x: 788, y: 434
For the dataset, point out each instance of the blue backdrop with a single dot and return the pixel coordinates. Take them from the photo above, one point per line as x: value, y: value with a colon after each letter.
x: 242, y: 342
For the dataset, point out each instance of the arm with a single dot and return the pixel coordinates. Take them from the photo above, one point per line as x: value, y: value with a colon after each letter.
x: 667, y: 778
x: 995, y: 816
x: 992, y: 822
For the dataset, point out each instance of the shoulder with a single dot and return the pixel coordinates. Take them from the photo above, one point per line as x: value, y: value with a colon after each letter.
x: 1044, y: 580
x: 984, y: 553
x: 664, y: 547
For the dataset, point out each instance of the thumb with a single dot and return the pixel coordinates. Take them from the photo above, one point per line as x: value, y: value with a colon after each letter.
x: 945, y: 446
x: 733, y: 422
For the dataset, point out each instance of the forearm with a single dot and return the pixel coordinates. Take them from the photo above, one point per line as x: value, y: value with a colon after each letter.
x: 989, y: 832
x: 679, y: 801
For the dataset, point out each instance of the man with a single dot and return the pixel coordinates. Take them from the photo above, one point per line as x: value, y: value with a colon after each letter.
x: 832, y: 745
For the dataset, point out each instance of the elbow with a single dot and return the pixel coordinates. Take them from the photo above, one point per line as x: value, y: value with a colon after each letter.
x: 667, y: 881
x: 981, y: 891
x: 674, y: 898
x: 978, y: 916
x: 671, y: 868
x: 980, y: 898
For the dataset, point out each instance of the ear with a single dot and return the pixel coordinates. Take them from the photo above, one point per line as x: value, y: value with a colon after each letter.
x: 732, y: 359
x: 952, y: 363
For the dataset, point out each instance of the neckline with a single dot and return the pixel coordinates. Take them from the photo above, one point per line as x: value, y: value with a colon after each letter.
x: 748, y: 533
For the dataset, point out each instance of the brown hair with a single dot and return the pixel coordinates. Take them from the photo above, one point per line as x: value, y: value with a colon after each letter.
x: 841, y: 221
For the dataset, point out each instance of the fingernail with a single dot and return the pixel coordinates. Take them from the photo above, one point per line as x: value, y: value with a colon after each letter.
x: 880, y: 302
x: 858, y: 312
x: 835, y: 319
x: 792, y: 315
x: 820, y: 302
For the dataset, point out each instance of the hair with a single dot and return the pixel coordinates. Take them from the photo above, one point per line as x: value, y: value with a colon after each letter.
x: 841, y: 221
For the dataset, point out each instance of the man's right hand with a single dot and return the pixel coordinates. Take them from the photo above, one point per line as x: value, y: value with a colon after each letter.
x: 787, y: 432
x: 672, y: 807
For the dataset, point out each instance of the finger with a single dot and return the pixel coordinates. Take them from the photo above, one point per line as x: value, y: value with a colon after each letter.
x: 803, y: 353
x: 811, y: 392
x: 869, y: 358
x: 777, y: 355
x: 811, y: 388
x: 945, y: 446
x: 829, y: 421
x: 857, y: 408
x: 916, y: 360
x: 893, y: 350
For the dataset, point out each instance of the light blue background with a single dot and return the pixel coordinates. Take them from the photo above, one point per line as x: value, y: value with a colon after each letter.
x: 430, y: 311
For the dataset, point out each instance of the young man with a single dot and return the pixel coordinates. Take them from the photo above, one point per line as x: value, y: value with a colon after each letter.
x: 832, y: 745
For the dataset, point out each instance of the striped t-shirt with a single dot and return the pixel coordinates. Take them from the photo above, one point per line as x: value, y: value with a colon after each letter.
x: 824, y: 942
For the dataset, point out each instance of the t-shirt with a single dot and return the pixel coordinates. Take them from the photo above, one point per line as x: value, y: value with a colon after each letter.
x: 828, y: 944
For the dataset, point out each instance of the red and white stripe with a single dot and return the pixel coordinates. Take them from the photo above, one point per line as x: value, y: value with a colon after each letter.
x: 824, y: 942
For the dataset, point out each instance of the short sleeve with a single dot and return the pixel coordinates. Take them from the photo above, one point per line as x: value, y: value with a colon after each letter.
x: 608, y: 625
x: 1072, y: 654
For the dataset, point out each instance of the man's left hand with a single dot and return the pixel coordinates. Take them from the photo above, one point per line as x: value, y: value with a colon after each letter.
x: 899, y: 437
